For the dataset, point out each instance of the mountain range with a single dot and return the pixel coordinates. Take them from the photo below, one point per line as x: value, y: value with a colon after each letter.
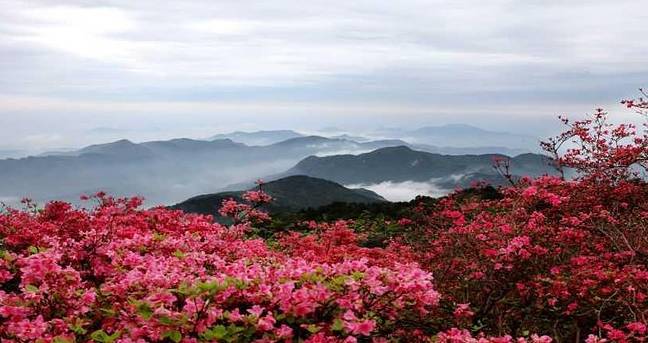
x: 401, y: 164
x: 452, y: 139
x: 382, y: 170
x: 266, y: 137
x: 163, y: 171
x: 168, y: 171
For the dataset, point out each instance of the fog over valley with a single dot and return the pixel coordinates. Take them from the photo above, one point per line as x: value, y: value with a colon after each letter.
x: 168, y: 171
x: 404, y: 191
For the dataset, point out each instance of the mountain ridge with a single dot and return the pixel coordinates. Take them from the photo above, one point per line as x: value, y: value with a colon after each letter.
x: 401, y: 163
x: 291, y: 193
x: 162, y: 171
x: 263, y: 137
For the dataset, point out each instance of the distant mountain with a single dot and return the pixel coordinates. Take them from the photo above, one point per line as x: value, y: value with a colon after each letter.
x: 12, y: 153
x: 331, y: 146
x: 350, y: 137
x: 55, y: 152
x: 290, y: 194
x: 303, y: 141
x: 127, y: 149
x: 185, y: 146
x: 477, y: 150
x: 258, y: 137
x: 162, y: 171
x: 123, y: 149
x: 399, y: 164
x: 288, y: 137
x: 463, y: 136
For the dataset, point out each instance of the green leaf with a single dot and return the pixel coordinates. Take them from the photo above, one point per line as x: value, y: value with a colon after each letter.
x: 357, y: 276
x: 216, y: 333
x: 338, y: 325
x: 158, y: 236
x: 219, y: 331
x: 337, y: 283
x: 239, y: 284
x: 61, y: 339
x: 108, y: 312
x: 313, y: 328
x: 233, y: 329
x: 31, y: 289
x: 211, y: 288
x: 174, y: 335
x: 183, y: 289
x: 144, y: 310
x: 78, y: 329
x: 100, y: 336
x: 165, y: 320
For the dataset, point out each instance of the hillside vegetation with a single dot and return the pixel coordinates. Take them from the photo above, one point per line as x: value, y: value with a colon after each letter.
x: 289, y: 194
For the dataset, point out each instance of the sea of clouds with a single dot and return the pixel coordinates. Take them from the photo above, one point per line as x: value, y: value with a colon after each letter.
x: 404, y: 191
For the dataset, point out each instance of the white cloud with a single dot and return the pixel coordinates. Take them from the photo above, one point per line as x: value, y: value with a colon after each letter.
x: 80, y: 31
x: 239, y: 43
x: 225, y: 26
x: 403, y: 191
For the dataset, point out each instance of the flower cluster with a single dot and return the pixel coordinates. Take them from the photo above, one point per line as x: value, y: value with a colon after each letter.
x: 248, y: 212
x: 118, y: 273
x: 567, y: 258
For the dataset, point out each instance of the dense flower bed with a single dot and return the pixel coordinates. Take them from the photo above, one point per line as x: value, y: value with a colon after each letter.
x: 543, y: 260
x: 567, y: 258
x: 123, y: 274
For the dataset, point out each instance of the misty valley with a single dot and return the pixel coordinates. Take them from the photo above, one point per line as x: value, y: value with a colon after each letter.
x: 168, y: 172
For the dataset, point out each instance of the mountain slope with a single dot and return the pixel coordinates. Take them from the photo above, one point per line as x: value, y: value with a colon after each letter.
x: 123, y: 149
x: 290, y: 194
x: 399, y: 164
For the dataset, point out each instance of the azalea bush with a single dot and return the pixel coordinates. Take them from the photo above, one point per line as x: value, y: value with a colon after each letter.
x: 568, y: 258
x: 543, y: 260
x: 118, y: 273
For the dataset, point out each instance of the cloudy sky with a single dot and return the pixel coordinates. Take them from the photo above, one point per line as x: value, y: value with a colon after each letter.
x: 73, y: 71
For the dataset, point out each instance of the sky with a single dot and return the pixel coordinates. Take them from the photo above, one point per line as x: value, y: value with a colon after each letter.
x: 77, y: 72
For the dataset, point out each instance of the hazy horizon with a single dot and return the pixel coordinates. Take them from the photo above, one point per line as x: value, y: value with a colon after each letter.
x: 108, y: 135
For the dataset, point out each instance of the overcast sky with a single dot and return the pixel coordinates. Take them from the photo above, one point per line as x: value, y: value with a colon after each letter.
x: 73, y: 71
